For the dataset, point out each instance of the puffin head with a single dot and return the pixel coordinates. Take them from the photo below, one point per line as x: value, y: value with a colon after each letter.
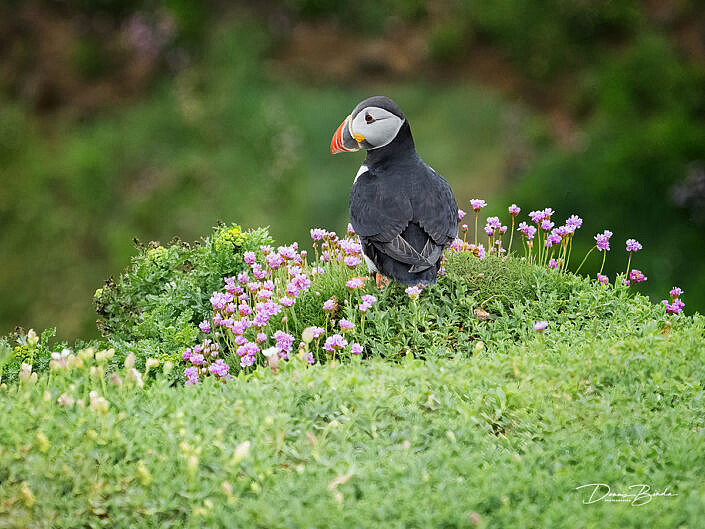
x: 372, y: 124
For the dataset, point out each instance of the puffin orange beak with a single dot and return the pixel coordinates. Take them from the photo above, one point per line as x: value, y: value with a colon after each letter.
x: 342, y: 139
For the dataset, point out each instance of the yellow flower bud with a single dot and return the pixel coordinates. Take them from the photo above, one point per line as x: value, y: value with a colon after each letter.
x: 42, y: 441
x: 27, y: 495
x: 143, y: 473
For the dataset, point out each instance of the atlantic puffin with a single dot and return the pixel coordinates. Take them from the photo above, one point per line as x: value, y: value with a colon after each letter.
x: 403, y: 211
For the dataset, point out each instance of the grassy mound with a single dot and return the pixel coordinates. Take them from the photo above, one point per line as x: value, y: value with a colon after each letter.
x: 477, y: 420
x: 501, y: 439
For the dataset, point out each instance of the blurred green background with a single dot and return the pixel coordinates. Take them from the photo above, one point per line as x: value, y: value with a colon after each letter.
x: 154, y: 119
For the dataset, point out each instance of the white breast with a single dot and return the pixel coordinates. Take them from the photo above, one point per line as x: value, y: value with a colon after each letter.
x: 362, y: 169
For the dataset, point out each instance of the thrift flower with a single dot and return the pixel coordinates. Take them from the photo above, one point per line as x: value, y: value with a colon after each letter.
x: 335, y: 342
x: 250, y: 258
x: 461, y: 214
x: 674, y: 308
x: 329, y: 305
x: 633, y: 245
x: 356, y: 349
x: 354, y: 283
x: 413, y: 292
x: 574, y: 221
x: 540, y: 326
x: 346, y: 325
x: 603, y: 240
x: 603, y: 279
x: 636, y: 276
x: 676, y: 292
x: 514, y: 209
x: 352, y: 261
x: 477, y: 204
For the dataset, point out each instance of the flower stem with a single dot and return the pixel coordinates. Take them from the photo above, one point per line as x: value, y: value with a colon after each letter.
x: 604, y: 256
x: 511, y: 237
x: 586, y: 256
x: 477, y: 214
x: 629, y: 262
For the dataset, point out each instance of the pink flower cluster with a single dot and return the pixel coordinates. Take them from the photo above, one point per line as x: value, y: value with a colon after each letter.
x: 676, y: 305
x: 250, y: 315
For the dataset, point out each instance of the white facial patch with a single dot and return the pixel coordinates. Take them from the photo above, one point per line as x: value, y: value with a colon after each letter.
x: 378, y: 131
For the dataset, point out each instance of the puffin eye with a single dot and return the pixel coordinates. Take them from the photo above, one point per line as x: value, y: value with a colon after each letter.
x: 368, y: 118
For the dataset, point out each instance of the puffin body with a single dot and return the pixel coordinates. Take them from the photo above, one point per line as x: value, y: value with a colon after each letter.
x: 403, y: 211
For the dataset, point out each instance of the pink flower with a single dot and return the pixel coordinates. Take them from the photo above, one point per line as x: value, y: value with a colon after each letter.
x: 354, y: 283
x: 250, y: 258
x: 346, y: 325
x: 633, y: 245
x: 205, y: 326
x: 369, y: 299
x: 274, y: 260
x: 335, y: 342
x: 546, y: 225
x: 317, y: 234
x: 287, y: 301
x: 350, y: 230
x: 574, y: 221
x: 356, y: 349
x: 284, y: 341
x: 413, y: 292
x: 317, y: 332
x: 553, y: 263
x: 536, y: 216
x: 514, y: 209
x: 352, y: 261
x: 477, y: 204
x: 261, y: 337
x: 461, y: 214
x: 674, y: 308
x: 603, y: 279
x: 494, y: 222
x: 287, y: 252
x: 603, y: 240
x: 489, y: 230
x: 676, y: 292
x: 248, y: 349
x: 636, y: 276
x: 191, y: 374
x: 329, y: 305
x: 258, y: 272
x: 540, y: 326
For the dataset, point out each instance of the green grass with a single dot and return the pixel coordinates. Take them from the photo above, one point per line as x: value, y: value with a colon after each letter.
x: 506, y: 428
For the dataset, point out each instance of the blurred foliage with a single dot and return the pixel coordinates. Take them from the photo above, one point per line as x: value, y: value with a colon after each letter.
x: 647, y: 126
x: 219, y: 142
x: 217, y: 138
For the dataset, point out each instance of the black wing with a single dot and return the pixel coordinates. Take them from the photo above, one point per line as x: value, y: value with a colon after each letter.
x: 379, y: 208
x: 382, y: 207
x: 435, y: 208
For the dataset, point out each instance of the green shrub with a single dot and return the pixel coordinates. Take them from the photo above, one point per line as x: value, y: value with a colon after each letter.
x: 156, y: 304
